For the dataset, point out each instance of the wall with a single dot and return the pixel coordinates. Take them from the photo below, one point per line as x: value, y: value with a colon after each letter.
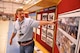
x: 66, y: 6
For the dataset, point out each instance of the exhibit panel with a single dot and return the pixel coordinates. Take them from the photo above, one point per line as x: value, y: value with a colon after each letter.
x: 46, y: 35
x: 68, y: 32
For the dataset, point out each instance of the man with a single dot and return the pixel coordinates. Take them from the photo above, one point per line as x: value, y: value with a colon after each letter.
x: 23, y: 27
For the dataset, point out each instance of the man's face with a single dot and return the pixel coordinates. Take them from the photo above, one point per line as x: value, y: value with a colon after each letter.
x: 20, y: 14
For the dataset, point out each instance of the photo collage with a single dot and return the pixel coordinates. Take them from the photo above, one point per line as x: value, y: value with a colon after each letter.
x: 67, y: 34
x: 47, y: 30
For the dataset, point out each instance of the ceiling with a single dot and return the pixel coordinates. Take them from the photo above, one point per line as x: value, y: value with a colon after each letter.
x: 40, y: 4
x: 16, y: 1
x: 10, y: 6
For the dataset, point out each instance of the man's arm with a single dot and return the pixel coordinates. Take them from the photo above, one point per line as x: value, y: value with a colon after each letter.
x: 47, y: 22
x: 13, y: 35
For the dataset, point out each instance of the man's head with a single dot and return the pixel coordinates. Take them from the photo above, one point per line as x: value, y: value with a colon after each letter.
x: 20, y: 13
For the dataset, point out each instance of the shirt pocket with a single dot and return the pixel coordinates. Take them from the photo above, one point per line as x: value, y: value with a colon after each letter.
x: 17, y: 28
x: 24, y: 28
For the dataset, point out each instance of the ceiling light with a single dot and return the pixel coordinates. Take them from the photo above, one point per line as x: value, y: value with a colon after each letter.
x: 21, y: 7
x: 27, y: 1
x: 17, y: 0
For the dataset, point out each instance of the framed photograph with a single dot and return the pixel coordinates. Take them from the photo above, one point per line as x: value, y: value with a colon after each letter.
x: 49, y: 42
x: 43, y: 34
x: 44, y: 16
x: 50, y: 33
x: 44, y: 31
x: 70, y: 25
x: 43, y: 38
x: 64, y: 44
x: 51, y: 16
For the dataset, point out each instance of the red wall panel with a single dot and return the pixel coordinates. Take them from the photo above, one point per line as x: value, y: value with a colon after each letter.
x: 68, y: 5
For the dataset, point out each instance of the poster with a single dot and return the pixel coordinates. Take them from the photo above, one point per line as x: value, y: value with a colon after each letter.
x: 49, y: 41
x: 50, y: 33
x: 44, y: 16
x: 65, y: 45
x: 43, y: 34
x: 51, y: 16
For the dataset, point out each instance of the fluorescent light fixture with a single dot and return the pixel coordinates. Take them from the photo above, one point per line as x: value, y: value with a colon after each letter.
x: 21, y: 7
x: 27, y: 1
x: 17, y: 0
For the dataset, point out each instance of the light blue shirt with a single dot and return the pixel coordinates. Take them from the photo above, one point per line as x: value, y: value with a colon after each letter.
x: 26, y: 29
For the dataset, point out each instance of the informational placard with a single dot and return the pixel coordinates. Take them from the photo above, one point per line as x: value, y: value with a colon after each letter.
x: 38, y: 31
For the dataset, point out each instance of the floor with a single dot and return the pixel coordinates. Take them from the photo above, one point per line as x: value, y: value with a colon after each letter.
x: 3, y: 35
x: 6, y: 28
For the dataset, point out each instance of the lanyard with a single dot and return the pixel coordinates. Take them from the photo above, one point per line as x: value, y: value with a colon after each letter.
x: 20, y: 24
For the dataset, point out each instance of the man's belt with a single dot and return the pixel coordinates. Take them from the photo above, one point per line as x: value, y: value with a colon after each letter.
x: 26, y: 42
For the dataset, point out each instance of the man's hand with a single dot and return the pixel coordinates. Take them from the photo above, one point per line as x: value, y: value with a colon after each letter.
x: 10, y: 42
x: 13, y: 35
x: 54, y: 21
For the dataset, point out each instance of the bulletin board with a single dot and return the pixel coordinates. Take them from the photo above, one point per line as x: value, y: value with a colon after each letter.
x: 46, y: 31
x: 68, y: 33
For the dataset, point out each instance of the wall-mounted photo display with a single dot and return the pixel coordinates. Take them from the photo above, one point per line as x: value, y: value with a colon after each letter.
x: 51, y: 16
x: 70, y: 25
x: 43, y: 34
x: 64, y: 44
x: 49, y: 41
x: 50, y: 33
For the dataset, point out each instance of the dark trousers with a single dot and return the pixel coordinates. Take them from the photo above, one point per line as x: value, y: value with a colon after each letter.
x: 27, y: 49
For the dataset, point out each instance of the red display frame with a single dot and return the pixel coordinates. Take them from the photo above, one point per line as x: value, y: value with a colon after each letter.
x: 38, y: 37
